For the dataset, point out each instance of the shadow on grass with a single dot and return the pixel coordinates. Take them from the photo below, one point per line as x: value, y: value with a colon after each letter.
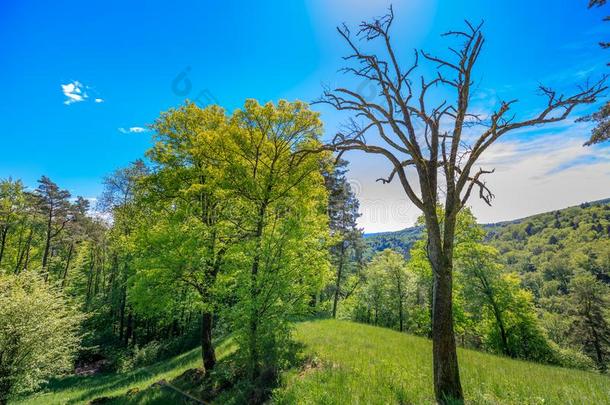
x: 227, y: 384
x: 101, y: 384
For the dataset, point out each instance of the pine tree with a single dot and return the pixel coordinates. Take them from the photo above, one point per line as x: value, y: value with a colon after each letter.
x: 346, y: 251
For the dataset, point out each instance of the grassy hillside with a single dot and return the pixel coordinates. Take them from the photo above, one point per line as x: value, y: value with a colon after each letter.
x: 365, y: 364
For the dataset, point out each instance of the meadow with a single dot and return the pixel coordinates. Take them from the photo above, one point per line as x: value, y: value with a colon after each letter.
x: 362, y: 363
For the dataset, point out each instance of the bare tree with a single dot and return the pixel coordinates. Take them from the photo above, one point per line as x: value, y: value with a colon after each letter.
x: 429, y: 138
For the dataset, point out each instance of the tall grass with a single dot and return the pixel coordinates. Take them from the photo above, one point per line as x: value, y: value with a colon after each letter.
x: 351, y: 363
x: 361, y: 364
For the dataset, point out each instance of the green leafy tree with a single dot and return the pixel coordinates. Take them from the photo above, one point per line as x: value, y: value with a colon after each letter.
x: 12, y: 209
x: 589, y: 302
x: 190, y: 227
x: 280, y: 195
x: 38, y: 333
x: 393, y: 268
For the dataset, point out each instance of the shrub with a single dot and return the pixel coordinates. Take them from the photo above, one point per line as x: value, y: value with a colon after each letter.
x: 38, y: 333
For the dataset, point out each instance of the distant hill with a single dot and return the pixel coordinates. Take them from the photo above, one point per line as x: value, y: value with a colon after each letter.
x: 403, y: 240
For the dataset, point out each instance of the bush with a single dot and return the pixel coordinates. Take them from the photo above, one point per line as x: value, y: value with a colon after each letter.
x: 124, y: 359
x: 573, y: 359
x: 38, y: 333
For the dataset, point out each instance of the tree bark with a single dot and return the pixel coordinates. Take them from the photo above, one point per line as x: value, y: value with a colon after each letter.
x: 28, y: 247
x: 254, y: 291
x: 47, y: 247
x: 447, y: 385
x: 207, y: 349
x: 400, y: 308
x: 500, y: 322
x: 122, y: 314
x: 3, y: 242
x: 338, y: 281
x: 65, y: 276
x: 129, y: 331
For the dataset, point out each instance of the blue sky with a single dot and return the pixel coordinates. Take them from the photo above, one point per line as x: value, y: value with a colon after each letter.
x: 135, y: 59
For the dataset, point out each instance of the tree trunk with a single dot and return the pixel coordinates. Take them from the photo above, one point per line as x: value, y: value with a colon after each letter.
x: 123, y: 300
x: 47, y: 248
x: 129, y: 331
x: 19, y: 253
x: 504, y: 338
x: 254, y: 291
x: 338, y: 281
x: 207, y: 349
x: 447, y: 386
x: 3, y: 242
x: 28, y: 247
x: 400, y: 306
x: 598, y: 349
x: 6, y: 385
x: 65, y: 276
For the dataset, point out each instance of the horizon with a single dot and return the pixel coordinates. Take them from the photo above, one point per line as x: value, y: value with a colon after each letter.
x: 505, y: 221
x: 95, y: 80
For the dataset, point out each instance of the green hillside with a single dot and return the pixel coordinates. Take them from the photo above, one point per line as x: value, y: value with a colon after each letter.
x: 352, y: 363
x: 591, y: 216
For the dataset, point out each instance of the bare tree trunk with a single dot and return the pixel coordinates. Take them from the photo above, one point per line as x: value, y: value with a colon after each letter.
x: 28, y: 247
x: 598, y: 349
x: 47, y: 248
x: 3, y: 242
x: 254, y: 292
x: 122, y: 314
x: 447, y: 386
x: 20, y: 250
x: 500, y: 321
x: 207, y: 349
x: 338, y: 281
x: 129, y: 331
x: 400, y: 308
x: 65, y: 276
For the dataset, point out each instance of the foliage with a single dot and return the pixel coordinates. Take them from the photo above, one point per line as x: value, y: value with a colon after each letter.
x: 589, y: 302
x: 346, y: 245
x: 387, y: 295
x: 38, y: 333
x: 282, y: 260
x: 536, y: 258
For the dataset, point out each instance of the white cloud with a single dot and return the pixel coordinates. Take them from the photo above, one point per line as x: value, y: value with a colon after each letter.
x: 132, y: 130
x: 548, y: 172
x: 77, y: 92
x: 74, y: 91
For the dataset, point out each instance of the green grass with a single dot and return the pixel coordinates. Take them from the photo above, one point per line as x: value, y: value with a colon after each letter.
x: 373, y: 365
x: 358, y: 364
x: 79, y: 390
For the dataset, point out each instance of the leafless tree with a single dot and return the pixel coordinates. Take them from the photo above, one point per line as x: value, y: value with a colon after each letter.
x: 430, y: 139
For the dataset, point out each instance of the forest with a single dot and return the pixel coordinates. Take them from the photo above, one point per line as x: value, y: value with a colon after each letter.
x: 227, y: 264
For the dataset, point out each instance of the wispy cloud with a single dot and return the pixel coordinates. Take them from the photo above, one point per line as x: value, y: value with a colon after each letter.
x: 132, y: 130
x: 77, y: 92
x: 541, y: 170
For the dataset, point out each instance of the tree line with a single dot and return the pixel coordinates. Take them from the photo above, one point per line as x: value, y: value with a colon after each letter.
x: 554, y: 311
